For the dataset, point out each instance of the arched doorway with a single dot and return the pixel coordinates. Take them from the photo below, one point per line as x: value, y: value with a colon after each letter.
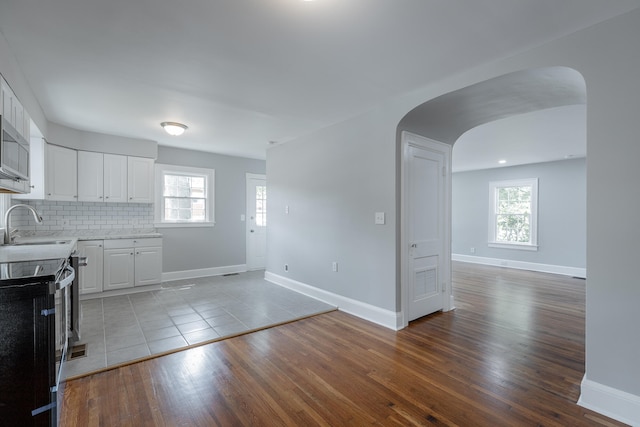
x: 444, y: 119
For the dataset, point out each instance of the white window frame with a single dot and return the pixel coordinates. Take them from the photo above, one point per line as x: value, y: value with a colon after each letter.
x: 493, y: 205
x: 209, y: 174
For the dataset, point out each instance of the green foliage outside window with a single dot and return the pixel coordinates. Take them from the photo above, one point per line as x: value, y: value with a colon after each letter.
x: 513, y: 214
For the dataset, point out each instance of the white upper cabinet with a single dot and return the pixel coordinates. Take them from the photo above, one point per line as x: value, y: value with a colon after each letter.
x: 140, y: 179
x: 13, y: 111
x: 102, y: 177
x: 61, y: 171
x: 115, y: 178
x: 90, y: 176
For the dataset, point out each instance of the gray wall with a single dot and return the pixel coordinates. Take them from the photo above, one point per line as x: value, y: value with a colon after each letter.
x: 223, y: 244
x: 333, y: 183
x: 13, y: 75
x: 358, y: 174
x: 562, y: 206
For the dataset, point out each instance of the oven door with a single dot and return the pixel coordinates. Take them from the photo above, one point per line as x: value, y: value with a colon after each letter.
x: 62, y: 287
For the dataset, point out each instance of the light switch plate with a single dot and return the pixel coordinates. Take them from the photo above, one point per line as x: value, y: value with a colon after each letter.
x: 379, y: 218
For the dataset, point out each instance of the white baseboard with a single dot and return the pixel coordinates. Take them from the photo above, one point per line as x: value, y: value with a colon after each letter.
x: 522, y: 265
x: 611, y: 402
x: 203, y: 272
x: 386, y: 318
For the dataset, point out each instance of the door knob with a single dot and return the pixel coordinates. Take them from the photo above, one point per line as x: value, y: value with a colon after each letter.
x: 252, y: 231
x: 414, y: 245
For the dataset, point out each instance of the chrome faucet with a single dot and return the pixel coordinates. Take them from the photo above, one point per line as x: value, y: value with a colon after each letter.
x: 7, y: 216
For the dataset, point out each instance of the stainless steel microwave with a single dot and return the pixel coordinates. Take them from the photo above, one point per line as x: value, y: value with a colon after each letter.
x: 14, y: 153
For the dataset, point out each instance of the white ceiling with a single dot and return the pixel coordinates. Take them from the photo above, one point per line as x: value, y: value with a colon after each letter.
x: 539, y: 136
x: 241, y: 73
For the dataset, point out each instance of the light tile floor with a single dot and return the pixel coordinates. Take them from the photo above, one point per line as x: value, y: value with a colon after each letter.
x: 185, y: 312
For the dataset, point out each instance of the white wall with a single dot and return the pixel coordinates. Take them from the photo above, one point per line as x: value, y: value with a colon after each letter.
x: 333, y: 183
x: 561, y: 216
x: 188, y: 250
x: 358, y: 173
x: 100, y: 142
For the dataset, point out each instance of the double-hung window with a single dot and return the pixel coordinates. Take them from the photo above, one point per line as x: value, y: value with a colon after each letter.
x: 513, y: 214
x: 184, y: 196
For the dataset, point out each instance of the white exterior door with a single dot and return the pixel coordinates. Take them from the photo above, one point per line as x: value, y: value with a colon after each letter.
x: 426, y: 225
x: 256, y: 221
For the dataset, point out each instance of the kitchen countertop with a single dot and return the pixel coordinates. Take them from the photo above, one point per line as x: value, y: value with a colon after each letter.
x: 90, y: 234
x: 34, y: 251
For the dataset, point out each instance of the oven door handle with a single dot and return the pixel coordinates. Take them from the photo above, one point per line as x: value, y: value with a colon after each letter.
x: 69, y: 274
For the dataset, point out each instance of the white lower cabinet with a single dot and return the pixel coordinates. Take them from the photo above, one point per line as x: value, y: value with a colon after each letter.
x: 132, y: 262
x: 91, y: 275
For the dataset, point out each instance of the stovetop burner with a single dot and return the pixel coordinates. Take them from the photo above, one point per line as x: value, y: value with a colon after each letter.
x: 41, y: 269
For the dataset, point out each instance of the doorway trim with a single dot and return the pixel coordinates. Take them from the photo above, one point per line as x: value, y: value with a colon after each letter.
x: 407, y: 140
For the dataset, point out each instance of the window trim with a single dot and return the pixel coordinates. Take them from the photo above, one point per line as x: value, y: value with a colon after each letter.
x: 493, y: 186
x: 163, y: 169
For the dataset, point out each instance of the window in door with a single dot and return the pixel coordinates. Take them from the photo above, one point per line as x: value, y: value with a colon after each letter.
x: 261, y: 206
x: 513, y: 214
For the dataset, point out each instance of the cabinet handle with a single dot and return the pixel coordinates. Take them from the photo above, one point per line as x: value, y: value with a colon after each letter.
x: 131, y: 253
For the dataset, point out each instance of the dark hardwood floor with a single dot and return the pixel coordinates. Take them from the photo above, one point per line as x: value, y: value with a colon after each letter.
x: 511, y: 354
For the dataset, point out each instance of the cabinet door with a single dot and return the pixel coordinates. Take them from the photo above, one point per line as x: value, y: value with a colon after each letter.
x: 148, y: 266
x: 90, y: 176
x: 115, y: 178
x: 61, y: 172
x: 27, y: 126
x: 35, y: 187
x: 7, y: 101
x: 18, y: 116
x: 140, y: 180
x: 118, y: 269
x: 91, y: 276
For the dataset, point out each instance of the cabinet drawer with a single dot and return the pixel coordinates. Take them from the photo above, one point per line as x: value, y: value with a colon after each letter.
x: 133, y: 243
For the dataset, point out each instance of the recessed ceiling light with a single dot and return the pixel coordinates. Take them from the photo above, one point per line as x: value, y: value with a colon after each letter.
x: 173, y: 128
x: 502, y: 162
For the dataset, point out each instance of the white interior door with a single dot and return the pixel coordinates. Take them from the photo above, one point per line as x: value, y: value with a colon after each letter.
x: 427, y: 275
x: 256, y: 221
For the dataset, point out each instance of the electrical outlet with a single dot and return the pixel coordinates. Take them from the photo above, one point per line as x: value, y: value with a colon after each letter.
x: 472, y: 250
x: 286, y: 267
x: 334, y: 266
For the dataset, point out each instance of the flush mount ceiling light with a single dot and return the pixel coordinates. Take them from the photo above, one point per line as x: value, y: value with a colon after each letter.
x: 173, y: 128
x: 502, y: 162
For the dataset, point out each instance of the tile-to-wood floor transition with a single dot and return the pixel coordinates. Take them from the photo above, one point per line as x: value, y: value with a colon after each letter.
x: 185, y: 312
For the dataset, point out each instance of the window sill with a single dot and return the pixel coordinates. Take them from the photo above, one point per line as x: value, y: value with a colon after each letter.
x: 183, y: 224
x: 516, y: 246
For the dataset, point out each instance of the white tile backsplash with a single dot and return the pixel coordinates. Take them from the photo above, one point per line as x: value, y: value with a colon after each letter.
x: 66, y: 216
